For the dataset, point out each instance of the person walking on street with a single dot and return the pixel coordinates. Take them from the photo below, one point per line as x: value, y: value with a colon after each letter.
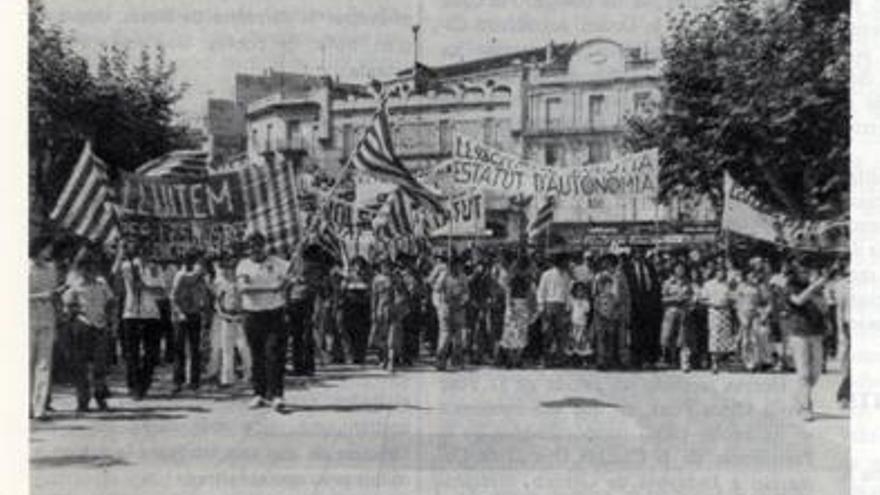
x: 143, y: 286
x: 88, y: 303
x: 519, y: 312
x: 262, y: 280
x: 228, y: 316
x: 43, y: 292
x: 801, y: 319
x: 189, y: 302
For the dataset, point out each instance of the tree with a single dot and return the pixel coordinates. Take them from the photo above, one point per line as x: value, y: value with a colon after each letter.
x: 126, y: 109
x: 761, y: 92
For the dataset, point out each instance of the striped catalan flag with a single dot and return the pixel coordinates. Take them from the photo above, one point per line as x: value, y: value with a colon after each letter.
x: 84, y: 206
x: 543, y: 218
x: 374, y: 155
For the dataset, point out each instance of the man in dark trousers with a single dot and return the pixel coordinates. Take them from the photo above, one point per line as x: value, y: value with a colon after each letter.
x: 646, y: 310
x: 310, y: 267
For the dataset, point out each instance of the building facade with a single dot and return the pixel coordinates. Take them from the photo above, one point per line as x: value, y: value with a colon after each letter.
x: 560, y: 105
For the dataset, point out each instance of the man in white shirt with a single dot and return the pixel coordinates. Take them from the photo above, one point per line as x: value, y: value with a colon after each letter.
x: 144, y: 285
x: 554, y: 290
x: 262, y: 281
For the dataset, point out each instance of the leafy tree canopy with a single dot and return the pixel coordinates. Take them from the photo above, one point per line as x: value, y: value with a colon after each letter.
x: 124, y: 106
x: 761, y: 92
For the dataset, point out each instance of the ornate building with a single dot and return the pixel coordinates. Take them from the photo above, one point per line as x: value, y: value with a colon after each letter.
x: 561, y: 105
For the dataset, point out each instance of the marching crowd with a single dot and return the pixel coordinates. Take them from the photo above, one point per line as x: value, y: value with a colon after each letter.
x: 259, y: 316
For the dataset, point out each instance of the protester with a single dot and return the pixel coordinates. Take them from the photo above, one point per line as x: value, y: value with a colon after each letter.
x: 608, y: 314
x: 694, y: 334
x: 42, y: 311
x: 676, y: 295
x: 841, y: 293
x: 228, y: 316
x: 88, y: 303
x: 753, y: 311
x: 355, y: 308
x: 581, y: 340
x: 519, y: 313
x: 554, y: 291
x: 262, y: 280
x: 717, y: 297
x: 452, y: 296
x: 143, y: 286
x: 646, y: 311
x: 382, y: 333
x: 802, y: 321
x: 189, y: 303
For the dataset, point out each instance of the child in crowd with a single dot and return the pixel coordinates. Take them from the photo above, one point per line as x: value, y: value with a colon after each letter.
x: 581, y: 344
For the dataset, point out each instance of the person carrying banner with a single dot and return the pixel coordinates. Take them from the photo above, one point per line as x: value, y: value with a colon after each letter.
x: 262, y: 280
x: 227, y: 314
x: 143, y: 285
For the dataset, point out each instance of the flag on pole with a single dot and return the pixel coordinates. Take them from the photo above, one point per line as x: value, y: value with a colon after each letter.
x: 180, y: 163
x: 321, y: 233
x: 374, y: 155
x: 84, y: 205
x: 543, y: 218
x: 271, y: 204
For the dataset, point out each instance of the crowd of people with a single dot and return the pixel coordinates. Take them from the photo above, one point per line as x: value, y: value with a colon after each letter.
x: 257, y: 316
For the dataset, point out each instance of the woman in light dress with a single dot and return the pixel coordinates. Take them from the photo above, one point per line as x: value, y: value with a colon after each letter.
x: 718, y: 298
x: 519, y: 313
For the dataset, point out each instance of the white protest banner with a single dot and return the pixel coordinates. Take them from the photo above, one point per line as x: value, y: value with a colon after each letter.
x: 748, y: 216
x: 467, y: 216
x: 467, y: 148
x: 611, y: 191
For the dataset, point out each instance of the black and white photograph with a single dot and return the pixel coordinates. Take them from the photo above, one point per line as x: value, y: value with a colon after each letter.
x: 439, y: 247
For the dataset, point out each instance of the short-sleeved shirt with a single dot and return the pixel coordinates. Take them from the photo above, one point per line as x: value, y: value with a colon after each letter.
x: 271, y: 271
x: 90, y: 298
x: 228, y: 297
x: 716, y: 293
x: 802, y: 320
x: 140, y: 301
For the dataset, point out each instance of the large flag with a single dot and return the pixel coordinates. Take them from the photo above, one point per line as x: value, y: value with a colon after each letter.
x: 271, y: 203
x: 84, y: 204
x: 375, y: 156
x: 543, y: 218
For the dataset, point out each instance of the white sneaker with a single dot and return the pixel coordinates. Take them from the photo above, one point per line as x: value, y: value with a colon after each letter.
x: 278, y: 404
x: 257, y: 402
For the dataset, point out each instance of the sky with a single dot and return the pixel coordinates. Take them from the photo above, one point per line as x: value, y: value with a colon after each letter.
x: 212, y: 40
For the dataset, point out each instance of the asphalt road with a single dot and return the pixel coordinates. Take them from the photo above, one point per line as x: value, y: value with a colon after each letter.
x: 477, y: 431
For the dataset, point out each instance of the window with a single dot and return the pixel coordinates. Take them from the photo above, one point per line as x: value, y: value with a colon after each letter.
x: 268, y: 142
x: 254, y: 141
x: 599, y: 152
x: 445, y: 137
x: 553, y: 114
x: 488, y: 131
x: 293, y: 137
x: 597, y: 104
x: 552, y: 154
x: 347, y: 139
x: 641, y: 101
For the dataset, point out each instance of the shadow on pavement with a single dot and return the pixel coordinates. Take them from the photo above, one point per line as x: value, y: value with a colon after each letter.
x: 35, y: 427
x: 829, y: 416
x: 578, y: 402
x: 146, y: 413
x: 347, y: 408
x: 97, y: 461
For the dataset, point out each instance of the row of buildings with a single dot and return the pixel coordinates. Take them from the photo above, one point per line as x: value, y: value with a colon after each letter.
x: 560, y: 105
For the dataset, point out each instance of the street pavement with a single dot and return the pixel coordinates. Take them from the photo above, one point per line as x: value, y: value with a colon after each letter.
x: 477, y: 431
